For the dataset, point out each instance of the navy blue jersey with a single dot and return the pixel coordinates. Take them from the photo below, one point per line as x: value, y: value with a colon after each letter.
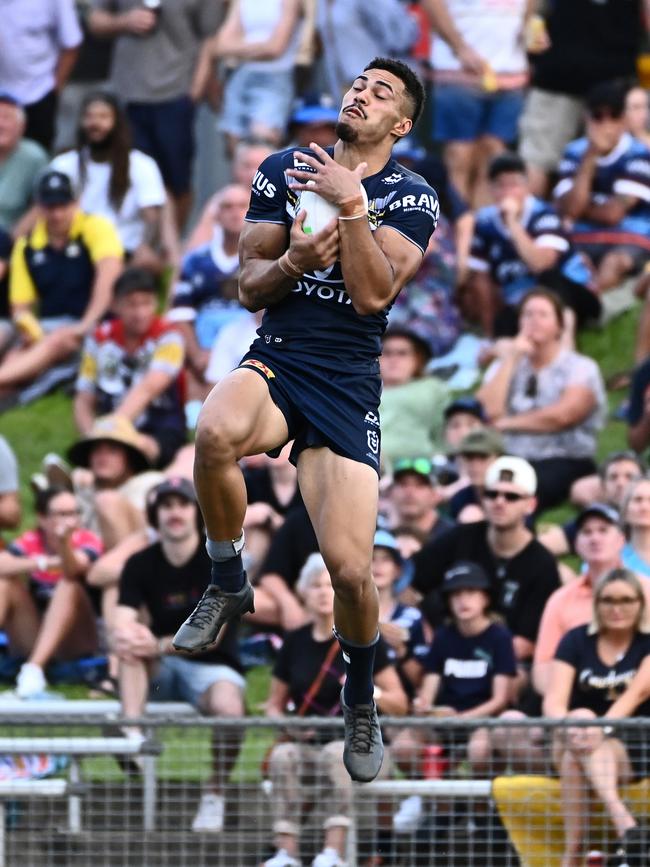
x: 468, y: 664
x: 409, y: 618
x: 596, y: 685
x: 623, y: 172
x: 317, y: 318
x: 493, y: 250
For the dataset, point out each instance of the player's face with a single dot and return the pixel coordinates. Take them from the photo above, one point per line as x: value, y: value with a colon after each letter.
x: 373, y: 107
x: 538, y: 321
x: 176, y: 518
x: 137, y: 310
x: 385, y: 569
x: 599, y: 542
x: 637, y: 513
x: 232, y: 208
x: 97, y: 122
x: 618, y: 479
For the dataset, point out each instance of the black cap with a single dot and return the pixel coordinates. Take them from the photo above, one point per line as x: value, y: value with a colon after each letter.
x: 468, y: 404
x: 465, y: 575
x: 598, y: 510
x: 135, y: 280
x: 175, y: 485
x: 54, y: 188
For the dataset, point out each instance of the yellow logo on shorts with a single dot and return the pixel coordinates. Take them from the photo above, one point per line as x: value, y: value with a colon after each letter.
x: 259, y: 365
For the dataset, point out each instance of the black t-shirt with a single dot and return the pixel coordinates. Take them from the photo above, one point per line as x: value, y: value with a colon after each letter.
x: 259, y: 489
x: 468, y: 664
x: 467, y: 496
x: 290, y: 547
x: 170, y: 593
x: 521, y: 585
x: 317, y: 320
x: 591, y: 41
x: 597, y: 686
x: 299, y: 662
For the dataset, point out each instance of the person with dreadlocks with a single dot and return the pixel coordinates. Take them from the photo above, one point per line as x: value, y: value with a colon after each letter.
x: 115, y: 180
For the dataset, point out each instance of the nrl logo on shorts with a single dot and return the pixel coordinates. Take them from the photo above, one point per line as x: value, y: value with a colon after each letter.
x: 373, y: 441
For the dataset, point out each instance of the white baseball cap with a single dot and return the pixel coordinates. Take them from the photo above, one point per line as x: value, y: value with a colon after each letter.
x: 515, y: 471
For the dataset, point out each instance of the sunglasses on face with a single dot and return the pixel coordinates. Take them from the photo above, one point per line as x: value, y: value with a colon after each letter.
x: 508, y: 496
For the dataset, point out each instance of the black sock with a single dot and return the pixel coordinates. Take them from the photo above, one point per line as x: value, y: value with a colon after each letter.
x: 228, y: 574
x: 359, y: 660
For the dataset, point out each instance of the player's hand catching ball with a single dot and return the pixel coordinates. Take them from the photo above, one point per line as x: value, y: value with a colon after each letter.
x: 313, y: 252
x: 329, y: 179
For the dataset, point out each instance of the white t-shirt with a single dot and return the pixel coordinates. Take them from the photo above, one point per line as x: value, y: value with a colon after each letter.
x: 492, y: 29
x: 146, y: 190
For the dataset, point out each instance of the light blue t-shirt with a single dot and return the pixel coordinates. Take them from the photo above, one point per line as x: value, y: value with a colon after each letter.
x: 631, y: 560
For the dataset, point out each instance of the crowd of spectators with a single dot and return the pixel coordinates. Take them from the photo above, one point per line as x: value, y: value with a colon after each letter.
x: 118, y: 279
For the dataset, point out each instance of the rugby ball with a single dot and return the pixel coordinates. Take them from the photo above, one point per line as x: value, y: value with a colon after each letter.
x: 319, y: 210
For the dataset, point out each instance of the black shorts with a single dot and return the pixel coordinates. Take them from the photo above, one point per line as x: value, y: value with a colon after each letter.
x: 322, y: 406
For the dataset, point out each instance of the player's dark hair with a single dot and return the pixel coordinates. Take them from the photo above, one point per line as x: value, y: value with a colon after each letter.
x: 505, y: 163
x: 609, y: 97
x: 43, y: 498
x: 412, y: 84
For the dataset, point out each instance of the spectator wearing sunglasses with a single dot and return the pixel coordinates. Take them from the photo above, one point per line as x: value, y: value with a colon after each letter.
x: 547, y: 401
x: 523, y: 574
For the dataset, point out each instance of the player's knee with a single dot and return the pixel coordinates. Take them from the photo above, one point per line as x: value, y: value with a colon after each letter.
x: 215, y: 442
x: 351, y: 581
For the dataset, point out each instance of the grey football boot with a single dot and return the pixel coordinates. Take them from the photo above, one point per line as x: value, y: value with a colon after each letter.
x: 363, y: 750
x: 214, y: 608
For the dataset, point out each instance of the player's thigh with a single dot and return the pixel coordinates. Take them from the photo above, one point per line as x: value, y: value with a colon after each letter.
x: 240, y: 414
x: 341, y: 497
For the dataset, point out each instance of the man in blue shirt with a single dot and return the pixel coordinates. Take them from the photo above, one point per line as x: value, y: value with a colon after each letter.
x: 312, y: 375
x: 519, y: 243
x: 604, y: 188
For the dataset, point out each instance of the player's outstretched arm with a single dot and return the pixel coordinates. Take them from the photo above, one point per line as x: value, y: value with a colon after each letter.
x: 270, y: 270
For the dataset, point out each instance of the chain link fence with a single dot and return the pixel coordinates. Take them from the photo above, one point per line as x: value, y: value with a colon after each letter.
x: 75, y: 790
